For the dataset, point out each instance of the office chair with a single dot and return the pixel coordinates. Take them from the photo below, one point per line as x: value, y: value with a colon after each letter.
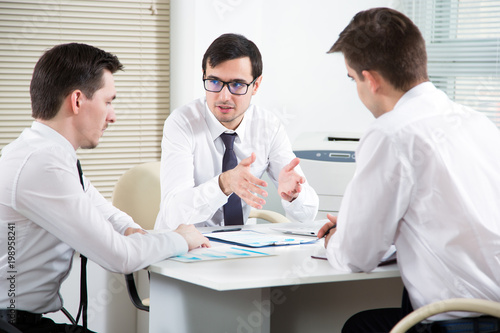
x: 455, y: 304
x: 138, y: 194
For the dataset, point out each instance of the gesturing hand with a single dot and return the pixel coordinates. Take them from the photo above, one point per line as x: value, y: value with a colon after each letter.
x: 242, y: 182
x: 289, y: 181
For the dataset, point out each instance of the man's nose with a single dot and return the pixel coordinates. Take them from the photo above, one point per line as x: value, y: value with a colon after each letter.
x: 111, y: 118
x: 225, y: 94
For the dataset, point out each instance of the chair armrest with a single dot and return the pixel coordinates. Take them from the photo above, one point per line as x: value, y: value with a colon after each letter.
x: 268, y: 215
x: 454, y: 304
x: 132, y: 292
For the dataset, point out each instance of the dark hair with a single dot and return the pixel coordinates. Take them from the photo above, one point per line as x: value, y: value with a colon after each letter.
x: 387, y: 41
x: 63, y: 69
x: 233, y: 46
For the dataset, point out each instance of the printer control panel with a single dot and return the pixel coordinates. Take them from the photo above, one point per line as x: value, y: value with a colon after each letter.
x: 327, y: 155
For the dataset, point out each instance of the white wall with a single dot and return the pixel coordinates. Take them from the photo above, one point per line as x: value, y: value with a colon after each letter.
x: 307, y: 88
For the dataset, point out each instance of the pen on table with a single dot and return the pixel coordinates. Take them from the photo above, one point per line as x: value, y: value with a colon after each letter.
x: 328, y: 231
x: 230, y: 229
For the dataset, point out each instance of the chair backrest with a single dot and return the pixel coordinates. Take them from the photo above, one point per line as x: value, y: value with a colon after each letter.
x: 138, y: 193
x: 455, y: 304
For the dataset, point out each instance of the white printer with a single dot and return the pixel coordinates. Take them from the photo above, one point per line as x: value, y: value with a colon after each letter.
x: 328, y: 162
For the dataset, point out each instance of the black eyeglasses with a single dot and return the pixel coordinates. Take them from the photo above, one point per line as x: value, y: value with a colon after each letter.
x: 235, y: 88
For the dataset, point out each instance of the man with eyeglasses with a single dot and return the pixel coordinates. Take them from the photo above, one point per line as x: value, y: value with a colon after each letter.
x: 197, y: 185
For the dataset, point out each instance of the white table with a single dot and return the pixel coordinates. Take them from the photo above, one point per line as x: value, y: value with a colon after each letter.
x: 283, y: 292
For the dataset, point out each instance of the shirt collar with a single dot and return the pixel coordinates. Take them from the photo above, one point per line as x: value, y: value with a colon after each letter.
x: 422, y: 88
x: 51, y: 134
x: 216, y: 128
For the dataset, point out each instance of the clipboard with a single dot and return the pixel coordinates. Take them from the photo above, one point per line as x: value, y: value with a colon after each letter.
x: 251, y: 238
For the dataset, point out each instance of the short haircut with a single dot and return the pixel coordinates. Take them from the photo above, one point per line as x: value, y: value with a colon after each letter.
x: 233, y: 46
x: 387, y: 41
x: 63, y: 69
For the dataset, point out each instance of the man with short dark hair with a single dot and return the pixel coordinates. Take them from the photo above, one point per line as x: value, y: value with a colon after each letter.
x: 198, y: 139
x: 45, y: 214
x: 427, y: 179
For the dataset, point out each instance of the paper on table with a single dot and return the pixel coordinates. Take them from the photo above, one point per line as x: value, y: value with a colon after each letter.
x: 218, y: 253
x: 253, y: 238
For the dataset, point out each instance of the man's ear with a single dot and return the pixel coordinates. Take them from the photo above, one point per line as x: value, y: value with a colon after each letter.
x: 76, y: 101
x: 257, y: 85
x: 374, y: 80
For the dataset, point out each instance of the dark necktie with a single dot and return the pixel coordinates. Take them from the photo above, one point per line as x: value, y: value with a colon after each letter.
x: 233, y: 214
x: 83, y: 272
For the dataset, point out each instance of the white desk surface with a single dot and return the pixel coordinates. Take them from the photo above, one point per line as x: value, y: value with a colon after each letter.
x: 290, y: 265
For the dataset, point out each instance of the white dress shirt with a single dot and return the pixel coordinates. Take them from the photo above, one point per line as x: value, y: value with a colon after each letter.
x: 427, y: 179
x: 191, y: 163
x: 47, y: 215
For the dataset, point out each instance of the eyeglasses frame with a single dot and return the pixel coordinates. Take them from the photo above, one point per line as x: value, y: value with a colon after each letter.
x: 224, y: 83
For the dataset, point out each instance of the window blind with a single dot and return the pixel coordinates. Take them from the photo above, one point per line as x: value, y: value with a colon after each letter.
x: 463, y: 46
x: 137, y: 31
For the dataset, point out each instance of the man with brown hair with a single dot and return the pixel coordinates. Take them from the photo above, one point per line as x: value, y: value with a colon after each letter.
x: 48, y: 209
x: 427, y: 180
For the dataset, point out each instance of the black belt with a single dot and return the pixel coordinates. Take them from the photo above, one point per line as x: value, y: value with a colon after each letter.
x: 20, y: 317
x: 484, y: 324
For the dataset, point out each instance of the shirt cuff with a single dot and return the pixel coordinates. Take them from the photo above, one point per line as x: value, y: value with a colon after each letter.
x: 177, y: 243
x: 220, y: 198
x: 298, y: 202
